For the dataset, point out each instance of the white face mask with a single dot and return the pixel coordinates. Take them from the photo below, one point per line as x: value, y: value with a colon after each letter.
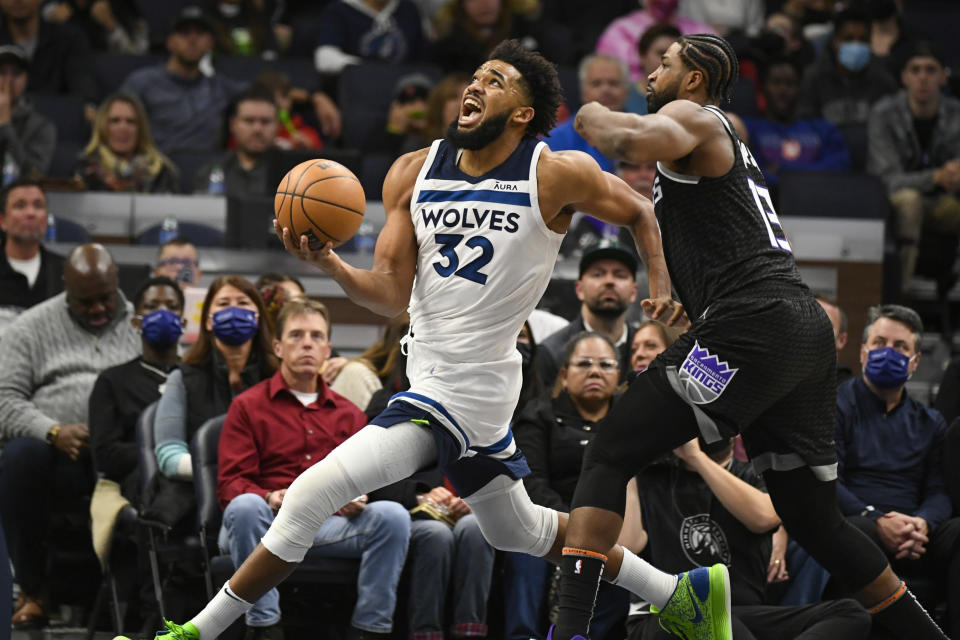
x: 229, y: 10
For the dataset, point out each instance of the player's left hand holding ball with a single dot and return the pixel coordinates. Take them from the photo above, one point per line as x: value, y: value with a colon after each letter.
x: 324, y: 257
x: 666, y: 310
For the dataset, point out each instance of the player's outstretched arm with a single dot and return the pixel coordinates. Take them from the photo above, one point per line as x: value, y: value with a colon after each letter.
x: 572, y: 178
x: 670, y: 134
x: 385, y: 288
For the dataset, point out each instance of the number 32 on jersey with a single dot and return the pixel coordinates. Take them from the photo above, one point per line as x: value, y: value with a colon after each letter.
x: 450, y: 265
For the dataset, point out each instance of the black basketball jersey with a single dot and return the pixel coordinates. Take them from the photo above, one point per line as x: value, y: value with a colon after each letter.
x: 721, y: 236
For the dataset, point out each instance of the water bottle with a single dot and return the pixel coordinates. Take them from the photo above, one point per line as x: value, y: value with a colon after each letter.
x: 51, y: 235
x: 168, y: 230
x: 10, y: 169
x: 217, y: 185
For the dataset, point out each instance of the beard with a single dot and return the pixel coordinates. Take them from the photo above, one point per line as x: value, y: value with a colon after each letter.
x: 26, y: 238
x: 480, y: 137
x: 656, y: 99
x: 608, y: 308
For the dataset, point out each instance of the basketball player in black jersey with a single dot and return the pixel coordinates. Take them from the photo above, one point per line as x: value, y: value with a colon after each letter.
x: 759, y: 357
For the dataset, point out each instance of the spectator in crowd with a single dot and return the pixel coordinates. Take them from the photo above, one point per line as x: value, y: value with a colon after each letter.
x: 27, y: 139
x: 948, y: 395
x: 178, y: 260
x: 184, y: 105
x: 727, y: 18
x: 553, y: 434
x: 468, y: 30
x: 914, y: 146
x: 589, y: 18
x: 276, y: 430
x: 60, y: 61
x: 651, y: 46
x: 232, y: 353
x: 360, y: 378
x: 838, y: 319
x: 242, y: 172
x: 243, y: 28
x: 650, y: 340
x: 606, y: 288
x: 603, y: 79
x: 888, y: 39
x: 277, y: 289
x: 845, y: 81
x: 784, y: 141
x: 293, y: 132
x: 109, y: 25
x: 51, y: 357
x: 620, y: 38
x: 406, y: 120
x: 889, y: 448
x: 443, y: 104
x: 352, y: 31
x: 792, y: 45
x: 29, y: 273
x: 122, y: 392
x: 640, y: 177
x: 703, y: 506
x: 121, y: 155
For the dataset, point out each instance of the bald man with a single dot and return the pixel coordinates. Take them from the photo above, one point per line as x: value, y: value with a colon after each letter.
x: 52, y: 354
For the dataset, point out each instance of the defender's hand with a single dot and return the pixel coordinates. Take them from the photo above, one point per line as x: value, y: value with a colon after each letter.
x: 666, y: 310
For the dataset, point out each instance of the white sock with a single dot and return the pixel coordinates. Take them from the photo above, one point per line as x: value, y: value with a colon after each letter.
x: 220, y: 613
x: 645, y: 580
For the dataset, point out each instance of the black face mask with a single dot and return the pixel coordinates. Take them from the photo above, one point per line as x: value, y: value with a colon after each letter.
x: 526, y: 352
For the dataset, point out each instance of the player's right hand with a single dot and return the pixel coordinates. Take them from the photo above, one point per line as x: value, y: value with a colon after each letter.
x: 324, y: 257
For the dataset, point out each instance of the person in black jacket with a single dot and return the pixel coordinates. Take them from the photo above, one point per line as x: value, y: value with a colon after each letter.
x: 553, y: 434
x: 29, y: 274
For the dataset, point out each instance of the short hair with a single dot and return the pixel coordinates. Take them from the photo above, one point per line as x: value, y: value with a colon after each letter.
x: 274, y: 277
x: 923, y: 49
x: 179, y: 241
x: 157, y: 281
x: 593, y: 57
x: 539, y: 79
x: 714, y: 57
x: 779, y: 61
x: 572, y: 343
x: 655, y: 31
x: 904, y: 315
x: 299, y: 307
x: 254, y: 93
x: 667, y: 334
x: 16, y: 184
x: 833, y: 303
x: 854, y: 13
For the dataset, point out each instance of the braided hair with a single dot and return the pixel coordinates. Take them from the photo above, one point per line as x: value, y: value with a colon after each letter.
x: 715, y: 58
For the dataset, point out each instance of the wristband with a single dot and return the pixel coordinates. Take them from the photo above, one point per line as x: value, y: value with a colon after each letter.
x: 52, y: 435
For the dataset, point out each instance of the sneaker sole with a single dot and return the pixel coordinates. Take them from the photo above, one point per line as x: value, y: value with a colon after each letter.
x: 720, y: 604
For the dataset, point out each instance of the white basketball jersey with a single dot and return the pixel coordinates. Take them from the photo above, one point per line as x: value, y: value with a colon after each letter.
x: 486, y: 254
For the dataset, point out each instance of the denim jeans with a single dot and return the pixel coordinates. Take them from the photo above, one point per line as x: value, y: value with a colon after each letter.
x: 378, y: 536
x: 446, y: 562
x: 523, y: 593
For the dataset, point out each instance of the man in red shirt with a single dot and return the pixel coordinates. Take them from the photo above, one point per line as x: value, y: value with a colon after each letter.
x: 273, y: 432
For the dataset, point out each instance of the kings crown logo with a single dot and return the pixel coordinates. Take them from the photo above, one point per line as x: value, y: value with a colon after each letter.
x: 703, y: 376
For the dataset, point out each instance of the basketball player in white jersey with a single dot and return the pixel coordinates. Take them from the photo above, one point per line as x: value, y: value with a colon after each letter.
x: 472, y: 232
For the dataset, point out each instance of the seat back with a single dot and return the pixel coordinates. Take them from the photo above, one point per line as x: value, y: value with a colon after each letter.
x: 826, y: 194
x: 200, y: 235
x: 147, y: 459
x: 67, y: 113
x: 203, y: 455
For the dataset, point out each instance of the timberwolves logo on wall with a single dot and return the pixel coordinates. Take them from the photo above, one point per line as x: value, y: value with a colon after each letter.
x: 703, y: 541
x: 703, y: 376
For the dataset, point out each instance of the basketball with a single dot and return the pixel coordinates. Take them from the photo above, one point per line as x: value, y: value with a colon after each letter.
x: 322, y: 200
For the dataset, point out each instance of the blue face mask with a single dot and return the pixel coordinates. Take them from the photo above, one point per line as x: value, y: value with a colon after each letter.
x: 235, y: 325
x: 161, y: 328
x: 887, y: 368
x: 854, y: 56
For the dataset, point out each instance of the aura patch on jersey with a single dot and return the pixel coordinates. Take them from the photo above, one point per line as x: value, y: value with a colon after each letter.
x: 703, y: 376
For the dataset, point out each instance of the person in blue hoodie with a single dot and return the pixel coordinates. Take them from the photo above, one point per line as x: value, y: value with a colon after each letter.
x: 784, y: 141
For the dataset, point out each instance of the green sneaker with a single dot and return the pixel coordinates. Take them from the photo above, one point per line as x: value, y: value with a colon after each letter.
x: 174, y: 632
x: 699, y: 608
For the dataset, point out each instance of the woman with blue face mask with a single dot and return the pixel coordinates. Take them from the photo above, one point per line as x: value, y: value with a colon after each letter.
x: 232, y: 353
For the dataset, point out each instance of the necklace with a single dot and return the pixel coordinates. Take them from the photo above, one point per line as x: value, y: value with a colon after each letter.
x: 160, y: 372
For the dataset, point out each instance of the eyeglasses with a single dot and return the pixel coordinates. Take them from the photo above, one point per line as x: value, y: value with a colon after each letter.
x: 607, y: 365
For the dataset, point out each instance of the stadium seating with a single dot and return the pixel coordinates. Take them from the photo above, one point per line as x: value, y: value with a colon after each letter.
x: 831, y: 194
x: 66, y: 112
x: 112, y: 69
x: 199, y: 234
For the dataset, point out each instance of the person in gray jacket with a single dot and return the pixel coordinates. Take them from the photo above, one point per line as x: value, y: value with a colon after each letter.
x: 914, y: 147
x: 27, y: 139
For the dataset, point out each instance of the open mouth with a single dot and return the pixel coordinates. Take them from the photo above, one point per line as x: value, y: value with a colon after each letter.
x: 470, y: 111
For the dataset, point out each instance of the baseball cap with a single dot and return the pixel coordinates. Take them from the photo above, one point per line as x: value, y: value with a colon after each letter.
x: 411, y: 87
x: 191, y: 14
x: 14, y: 53
x: 608, y: 249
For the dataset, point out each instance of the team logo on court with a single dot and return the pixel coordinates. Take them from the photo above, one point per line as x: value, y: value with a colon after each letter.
x: 703, y: 376
x: 703, y: 541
